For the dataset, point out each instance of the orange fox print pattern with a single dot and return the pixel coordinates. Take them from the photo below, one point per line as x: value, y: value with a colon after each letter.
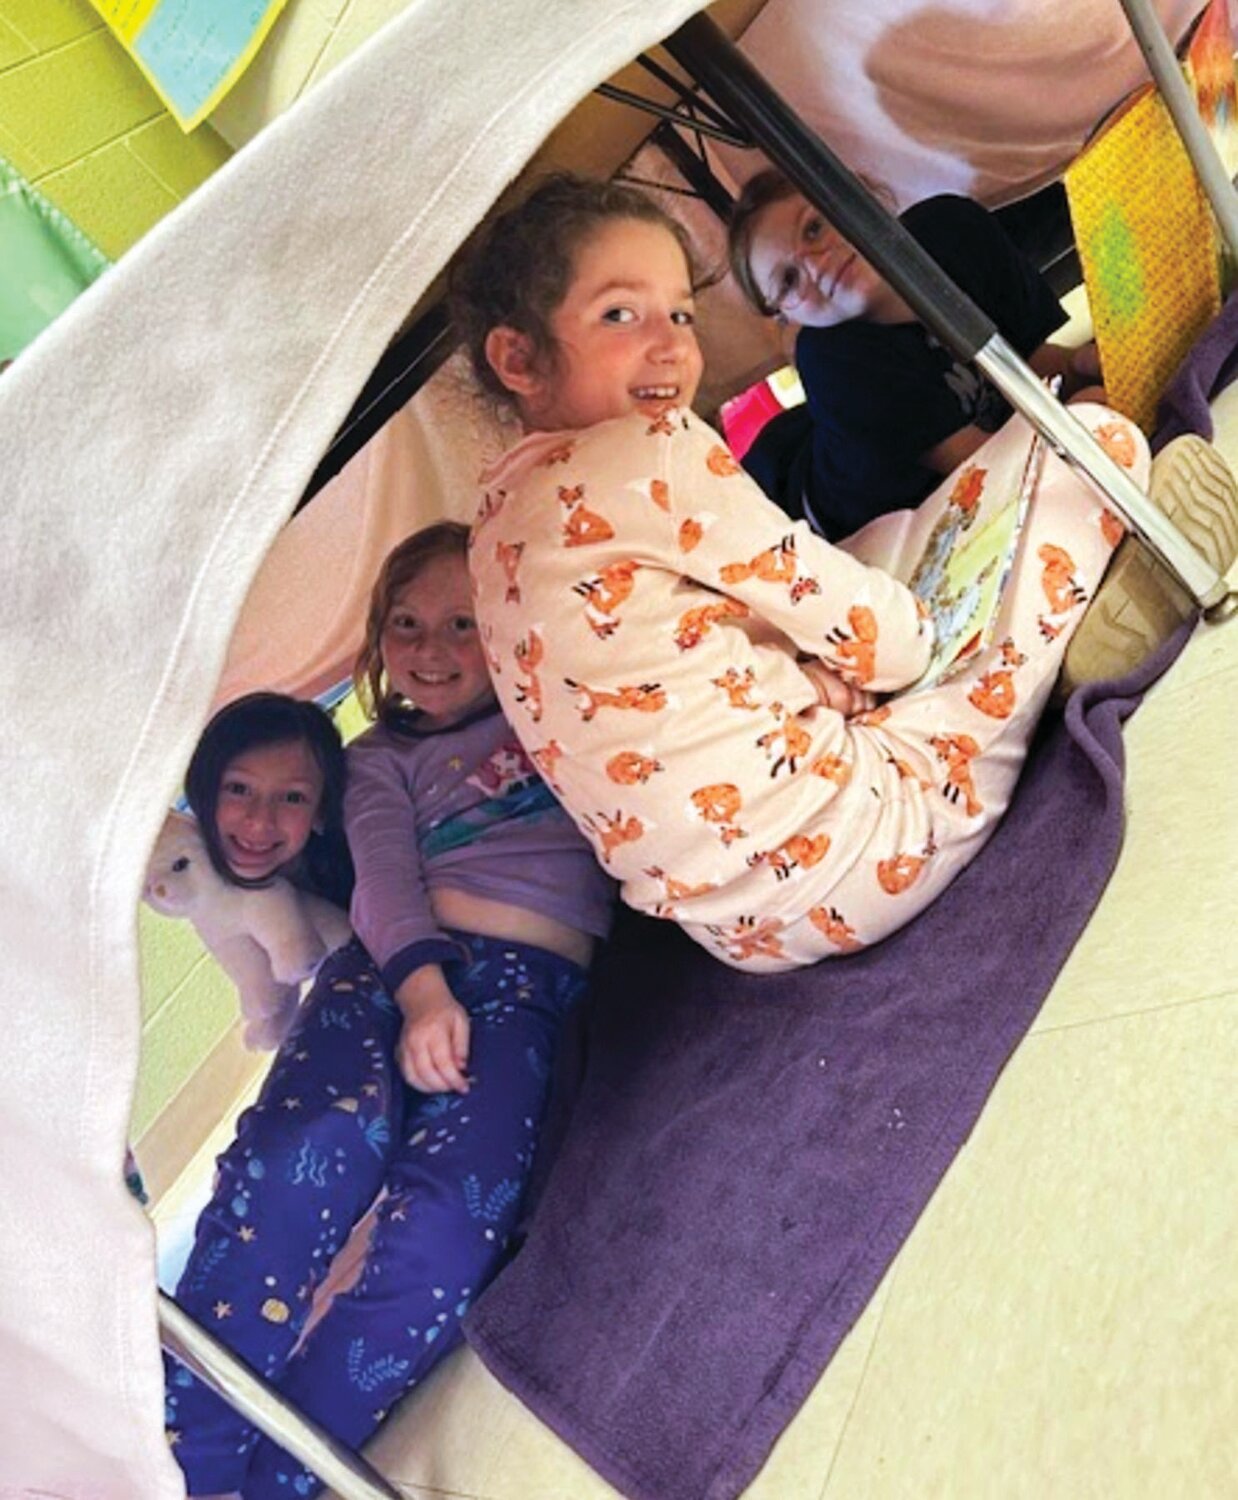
x: 787, y: 744
x: 831, y: 767
x: 603, y: 594
x: 1059, y: 579
x: 610, y: 833
x: 896, y: 875
x: 738, y: 687
x: 958, y: 751
x: 690, y: 533
x: 994, y: 694
x: 750, y: 937
x: 834, y: 929
x: 800, y: 852
x: 529, y: 653
x: 694, y: 624
x: 547, y: 761
x: 721, y: 461
x: 720, y: 804
x: 508, y: 555
x: 631, y: 768
x: 776, y: 564
x: 1118, y: 441
x: 857, y: 651
x: 676, y: 890
x: 559, y: 454
x: 645, y: 698
x: 583, y: 526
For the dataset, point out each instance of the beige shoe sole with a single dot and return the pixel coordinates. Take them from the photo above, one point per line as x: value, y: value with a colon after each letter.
x: 1140, y: 604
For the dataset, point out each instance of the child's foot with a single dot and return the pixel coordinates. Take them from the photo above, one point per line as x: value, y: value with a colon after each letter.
x: 1140, y: 604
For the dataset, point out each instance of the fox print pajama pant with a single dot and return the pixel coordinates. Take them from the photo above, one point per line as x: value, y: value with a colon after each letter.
x: 964, y: 741
x: 333, y: 1125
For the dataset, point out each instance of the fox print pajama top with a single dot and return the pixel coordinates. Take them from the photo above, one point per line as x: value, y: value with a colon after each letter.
x: 647, y: 614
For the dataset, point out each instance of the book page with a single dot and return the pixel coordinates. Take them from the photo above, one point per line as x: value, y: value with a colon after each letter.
x: 963, y: 571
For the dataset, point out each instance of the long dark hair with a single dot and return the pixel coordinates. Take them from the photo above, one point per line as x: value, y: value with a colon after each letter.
x: 325, y: 865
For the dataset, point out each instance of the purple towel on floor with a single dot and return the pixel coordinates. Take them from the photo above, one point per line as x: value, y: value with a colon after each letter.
x: 747, y: 1154
x: 1209, y: 367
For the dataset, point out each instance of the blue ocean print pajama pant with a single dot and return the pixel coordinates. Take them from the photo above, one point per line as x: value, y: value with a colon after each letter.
x: 333, y: 1125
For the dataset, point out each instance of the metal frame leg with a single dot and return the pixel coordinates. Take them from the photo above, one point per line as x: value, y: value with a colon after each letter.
x: 1167, y: 73
x: 202, y: 1354
x: 706, y: 52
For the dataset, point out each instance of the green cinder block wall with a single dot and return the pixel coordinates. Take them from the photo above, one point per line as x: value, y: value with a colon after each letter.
x: 80, y: 122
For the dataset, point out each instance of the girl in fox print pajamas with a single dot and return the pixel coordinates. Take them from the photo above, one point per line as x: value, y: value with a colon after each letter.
x: 694, y: 675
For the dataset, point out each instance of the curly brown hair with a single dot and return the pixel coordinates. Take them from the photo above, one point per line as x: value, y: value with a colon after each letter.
x: 517, y: 270
x: 401, y: 565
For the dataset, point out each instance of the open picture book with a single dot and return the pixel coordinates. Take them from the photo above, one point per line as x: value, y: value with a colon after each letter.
x: 963, y: 571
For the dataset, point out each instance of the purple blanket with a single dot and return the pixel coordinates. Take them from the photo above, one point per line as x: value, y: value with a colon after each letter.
x: 1209, y: 367
x: 747, y: 1154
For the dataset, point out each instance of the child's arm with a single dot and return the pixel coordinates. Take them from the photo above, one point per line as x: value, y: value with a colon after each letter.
x: 1077, y: 369
x: 863, y: 623
x: 434, y: 1041
x: 392, y: 914
x: 946, y: 456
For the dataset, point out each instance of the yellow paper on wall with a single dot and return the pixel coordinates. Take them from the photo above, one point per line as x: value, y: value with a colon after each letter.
x: 1149, y: 253
x: 191, y: 51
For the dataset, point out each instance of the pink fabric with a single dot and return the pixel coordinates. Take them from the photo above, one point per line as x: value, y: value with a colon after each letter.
x: 990, y: 98
x: 304, y: 617
x: 744, y: 417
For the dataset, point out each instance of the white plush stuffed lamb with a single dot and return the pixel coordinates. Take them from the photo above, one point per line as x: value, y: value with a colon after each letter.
x: 267, y: 940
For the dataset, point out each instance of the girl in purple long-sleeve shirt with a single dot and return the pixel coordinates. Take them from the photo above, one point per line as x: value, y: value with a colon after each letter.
x: 419, y: 1068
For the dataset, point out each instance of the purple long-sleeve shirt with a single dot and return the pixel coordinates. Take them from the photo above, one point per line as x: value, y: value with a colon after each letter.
x: 461, y: 808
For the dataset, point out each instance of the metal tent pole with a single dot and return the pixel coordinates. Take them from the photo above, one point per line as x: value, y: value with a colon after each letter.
x: 707, y: 53
x: 1167, y: 73
x: 202, y: 1353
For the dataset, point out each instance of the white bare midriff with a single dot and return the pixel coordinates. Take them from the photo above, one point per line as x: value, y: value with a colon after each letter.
x: 470, y: 913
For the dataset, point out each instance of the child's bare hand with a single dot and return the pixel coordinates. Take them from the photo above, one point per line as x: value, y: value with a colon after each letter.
x: 836, y: 692
x: 433, y: 1049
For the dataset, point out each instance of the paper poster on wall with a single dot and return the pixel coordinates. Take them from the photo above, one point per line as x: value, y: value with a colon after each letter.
x: 47, y: 262
x: 192, y: 51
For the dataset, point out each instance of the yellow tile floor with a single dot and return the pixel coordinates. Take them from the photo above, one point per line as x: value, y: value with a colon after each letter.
x: 1062, y: 1322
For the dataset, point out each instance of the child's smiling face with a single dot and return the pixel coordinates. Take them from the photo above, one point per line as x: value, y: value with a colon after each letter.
x: 430, y: 645
x: 813, y: 277
x: 268, y: 800
x: 624, y: 335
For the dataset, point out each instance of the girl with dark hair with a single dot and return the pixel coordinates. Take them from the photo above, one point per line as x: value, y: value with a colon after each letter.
x: 266, y: 784
x: 420, y: 1065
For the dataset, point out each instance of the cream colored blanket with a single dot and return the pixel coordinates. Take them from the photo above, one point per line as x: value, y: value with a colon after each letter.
x: 155, y: 440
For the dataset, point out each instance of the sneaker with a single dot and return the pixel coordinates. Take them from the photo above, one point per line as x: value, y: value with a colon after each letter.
x: 1140, y: 603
